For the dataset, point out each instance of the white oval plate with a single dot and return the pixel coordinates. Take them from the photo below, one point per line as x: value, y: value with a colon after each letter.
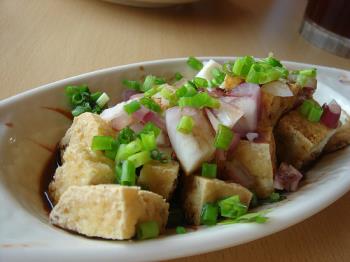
x: 26, y: 128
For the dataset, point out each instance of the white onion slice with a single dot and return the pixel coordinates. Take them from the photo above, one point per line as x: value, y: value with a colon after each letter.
x: 277, y: 88
x: 252, y: 136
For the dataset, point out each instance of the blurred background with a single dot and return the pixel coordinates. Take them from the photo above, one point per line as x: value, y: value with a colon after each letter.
x: 46, y: 40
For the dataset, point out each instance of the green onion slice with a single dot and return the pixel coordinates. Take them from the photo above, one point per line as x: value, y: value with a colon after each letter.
x: 231, y: 207
x: 132, y: 107
x: 209, y: 214
x: 128, y: 176
x: 102, y: 100
x: 185, y: 125
x: 194, y: 63
x: 147, y: 230
x: 223, y: 137
x: 209, y: 170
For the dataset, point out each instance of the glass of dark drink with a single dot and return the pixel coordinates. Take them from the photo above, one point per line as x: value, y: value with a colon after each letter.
x: 327, y: 25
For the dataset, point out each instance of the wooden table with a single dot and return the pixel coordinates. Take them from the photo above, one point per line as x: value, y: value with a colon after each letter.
x: 43, y: 41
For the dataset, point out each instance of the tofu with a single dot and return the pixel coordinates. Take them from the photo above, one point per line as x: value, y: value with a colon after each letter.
x: 191, y: 149
x: 205, y: 72
x: 299, y: 141
x: 108, y: 211
x: 160, y: 178
x: 259, y: 160
x: 273, y: 107
x: 200, y: 190
x: 230, y: 82
x: 341, y: 137
x: 81, y: 165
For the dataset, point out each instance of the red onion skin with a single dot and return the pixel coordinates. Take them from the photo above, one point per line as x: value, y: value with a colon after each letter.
x: 287, y: 178
x: 128, y: 93
x: 330, y: 116
x: 155, y: 119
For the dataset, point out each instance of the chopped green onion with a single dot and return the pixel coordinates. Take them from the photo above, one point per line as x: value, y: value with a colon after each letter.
x: 150, y: 128
x: 199, y: 100
x: 308, y: 72
x: 232, y: 207
x: 185, y: 125
x: 180, y: 230
x: 223, y: 137
x: 242, y: 66
x: 131, y: 84
x: 148, y: 140
x: 254, y: 202
x: 126, y: 135
x: 102, y: 100
x: 275, y: 197
x: 127, y: 150
x: 272, y: 61
x: 227, y: 67
x: 128, y: 176
x: 178, y: 76
x: 209, y: 170
x: 187, y: 90
x: 209, y: 214
x: 112, y: 153
x: 261, y: 73
x: 169, y: 95
x: 95, y: 96
x: 159, y: 81
x: 148, y: 83
x: 118, y: 169
x: 200, y: 82
x: 147, y: 230
x: 71, y: 90
x: 132, y: 107
x: 81, y: 109
x: 102, y: 143
x: 77, y: 99
x: 159, y: 156
x: 194, y: 63
x: 218, y: 75
x: 257, y: 217
x: 141, y: 158
x: 152, y: 91
x: 150, y: 104
x: 311, y: 110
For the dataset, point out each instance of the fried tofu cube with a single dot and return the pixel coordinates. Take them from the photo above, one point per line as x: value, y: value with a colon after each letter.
x: 200, y: 190
x: 160, y: 178
x: 81, y: 165
x: 341, y: 137
x: 259, y: 160
x: 108, y: 211
x: 299, y: 141
x: 273, y: 107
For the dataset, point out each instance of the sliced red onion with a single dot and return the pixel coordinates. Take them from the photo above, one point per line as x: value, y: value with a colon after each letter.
x: 228, y: 114
x: 245, y: 89
x: 128, y: 93
x: 212, y: 119
x: 247, y: 98
x: 140, y: 114
x: 136, y: 96
x: 287, y: 178
x: 216, y: 92
x: 331, y: 114
x: 117, y: 116
x: 137, y: 127
x: 233, y: 146
x: 252, y: 136
x: 277, y: 88
x: 155, y: 119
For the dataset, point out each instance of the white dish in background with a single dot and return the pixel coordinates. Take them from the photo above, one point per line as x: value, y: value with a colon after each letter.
x: 151, y: 3
x: 24, y: 227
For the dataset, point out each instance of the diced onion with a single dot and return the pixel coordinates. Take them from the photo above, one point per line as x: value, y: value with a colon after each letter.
x: 277, y: 88
x: 331, y: 114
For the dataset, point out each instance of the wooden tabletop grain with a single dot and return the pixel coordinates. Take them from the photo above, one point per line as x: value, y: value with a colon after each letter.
x: 44, y: 41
